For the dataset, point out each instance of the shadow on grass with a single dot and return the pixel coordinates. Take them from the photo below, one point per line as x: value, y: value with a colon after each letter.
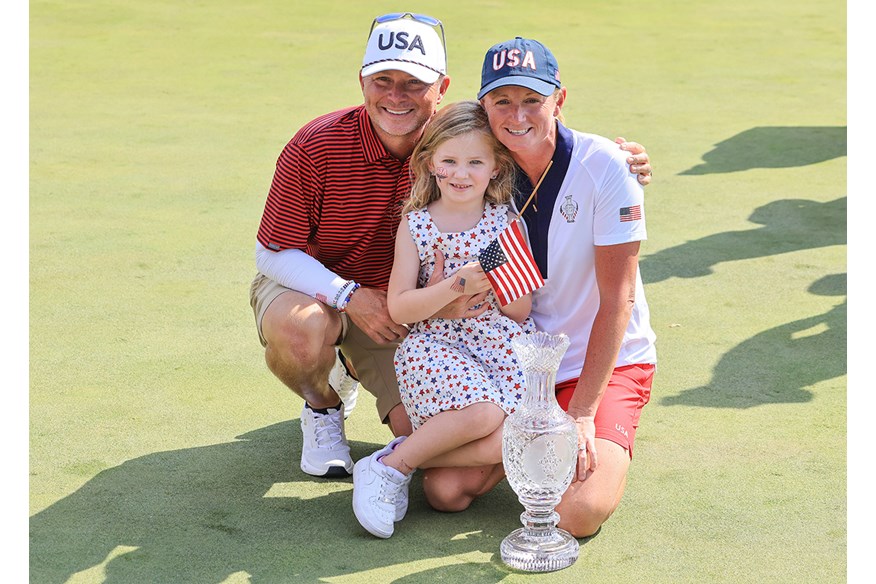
x: 787, y: 225
x: 774, y: 147
x: 243, y: 512
x: 776, y: 366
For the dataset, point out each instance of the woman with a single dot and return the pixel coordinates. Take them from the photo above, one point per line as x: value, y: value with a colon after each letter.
x: 584, y: 226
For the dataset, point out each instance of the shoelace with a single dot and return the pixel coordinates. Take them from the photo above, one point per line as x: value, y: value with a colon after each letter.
x: 328, y: 430
x: 389, y: 492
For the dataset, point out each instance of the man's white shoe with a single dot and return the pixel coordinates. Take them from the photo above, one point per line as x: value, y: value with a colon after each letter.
x: 378, y: 491
x: 324, y: 451
x: 345, y: 386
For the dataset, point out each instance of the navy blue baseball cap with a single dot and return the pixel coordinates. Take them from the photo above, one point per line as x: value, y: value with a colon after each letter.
x: 523, y: 62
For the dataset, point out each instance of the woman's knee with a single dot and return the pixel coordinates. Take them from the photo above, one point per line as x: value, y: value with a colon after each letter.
x: 583, y: 515
x: 587, y: 504
x: 581, y: 523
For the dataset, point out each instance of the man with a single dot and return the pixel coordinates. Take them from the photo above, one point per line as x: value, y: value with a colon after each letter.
x: 325, y: 244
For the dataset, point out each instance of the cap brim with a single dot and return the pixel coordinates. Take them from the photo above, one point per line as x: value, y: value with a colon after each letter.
x: 537, y: 85
x: 424, y: 74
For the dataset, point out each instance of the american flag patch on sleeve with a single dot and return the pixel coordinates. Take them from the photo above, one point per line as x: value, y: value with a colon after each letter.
x: 633, y: 213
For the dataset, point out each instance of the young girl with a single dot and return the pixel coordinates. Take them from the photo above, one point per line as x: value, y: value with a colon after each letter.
x: 458, y: 378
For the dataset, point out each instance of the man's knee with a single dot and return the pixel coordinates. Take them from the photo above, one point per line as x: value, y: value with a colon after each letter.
x: 299, y: 333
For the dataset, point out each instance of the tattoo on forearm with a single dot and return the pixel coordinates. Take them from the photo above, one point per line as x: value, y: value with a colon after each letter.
x: 458, y: 285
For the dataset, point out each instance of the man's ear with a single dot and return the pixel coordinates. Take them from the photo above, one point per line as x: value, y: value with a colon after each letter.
x: 442, y: 90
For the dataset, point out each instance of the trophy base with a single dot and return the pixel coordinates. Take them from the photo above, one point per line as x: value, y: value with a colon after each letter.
x: 544, y: 553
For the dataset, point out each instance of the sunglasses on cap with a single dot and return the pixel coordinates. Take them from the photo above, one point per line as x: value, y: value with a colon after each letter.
x: 423, y: 18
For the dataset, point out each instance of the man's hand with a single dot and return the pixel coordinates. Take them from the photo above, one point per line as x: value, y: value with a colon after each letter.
x: 462, y: 307
x: 638, y: 160
x: 367, y: 309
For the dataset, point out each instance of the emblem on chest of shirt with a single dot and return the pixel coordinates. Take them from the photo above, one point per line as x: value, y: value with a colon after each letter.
x: 569, y: 209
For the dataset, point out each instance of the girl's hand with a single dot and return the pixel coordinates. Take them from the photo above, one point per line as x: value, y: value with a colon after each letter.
x: 463, y: 306
x: 469, y: 279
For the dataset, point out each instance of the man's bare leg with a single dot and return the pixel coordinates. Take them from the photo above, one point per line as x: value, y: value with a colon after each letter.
x: 301, y: 334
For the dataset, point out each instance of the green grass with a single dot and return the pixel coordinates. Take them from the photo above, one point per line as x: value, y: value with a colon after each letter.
x: 161, y: 448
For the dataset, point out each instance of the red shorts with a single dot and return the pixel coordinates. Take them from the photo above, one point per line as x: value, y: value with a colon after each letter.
x: 617, y: 417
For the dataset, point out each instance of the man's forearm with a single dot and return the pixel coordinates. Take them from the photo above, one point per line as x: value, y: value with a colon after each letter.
x: 299, y: 271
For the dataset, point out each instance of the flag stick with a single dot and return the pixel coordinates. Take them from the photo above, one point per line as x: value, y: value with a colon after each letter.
x: 535, y: 190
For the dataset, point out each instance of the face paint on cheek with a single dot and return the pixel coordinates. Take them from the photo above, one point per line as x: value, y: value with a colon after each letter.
x: 440, y: 173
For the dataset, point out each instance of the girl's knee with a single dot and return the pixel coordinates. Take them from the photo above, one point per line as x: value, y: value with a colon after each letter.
x: 488, y: 450
x: 490, y: 416
x: 446, y: 496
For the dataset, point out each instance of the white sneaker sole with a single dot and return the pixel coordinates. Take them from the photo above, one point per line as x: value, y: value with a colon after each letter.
x: 330, y: 472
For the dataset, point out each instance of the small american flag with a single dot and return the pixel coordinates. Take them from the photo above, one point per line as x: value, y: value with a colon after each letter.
x: 509, y: 266
x: 631, y: 213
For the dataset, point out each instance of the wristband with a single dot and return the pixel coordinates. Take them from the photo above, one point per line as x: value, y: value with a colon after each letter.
x: 336, y: 302
x: 345, y: 294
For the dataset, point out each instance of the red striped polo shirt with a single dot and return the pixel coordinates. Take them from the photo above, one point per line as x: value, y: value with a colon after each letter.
x: 337, y: 195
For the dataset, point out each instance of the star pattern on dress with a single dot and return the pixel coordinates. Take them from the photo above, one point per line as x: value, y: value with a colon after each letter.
x: 447, y: 364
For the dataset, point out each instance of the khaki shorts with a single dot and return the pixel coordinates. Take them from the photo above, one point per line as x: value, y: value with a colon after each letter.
x: 372, y: 362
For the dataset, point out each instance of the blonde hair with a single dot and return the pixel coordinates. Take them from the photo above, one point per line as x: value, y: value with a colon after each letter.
x: 451, y: 121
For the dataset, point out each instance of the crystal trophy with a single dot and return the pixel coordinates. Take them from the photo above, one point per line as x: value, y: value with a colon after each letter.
x: 539, y: 451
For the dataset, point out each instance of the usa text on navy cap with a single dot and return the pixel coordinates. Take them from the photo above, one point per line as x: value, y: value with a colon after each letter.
x: 523, y: 62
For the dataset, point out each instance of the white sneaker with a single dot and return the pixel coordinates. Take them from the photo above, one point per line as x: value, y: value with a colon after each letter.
x: 401, y: 502
x: 378, y: 491
x: 345, y: 386
x: 325, y: 452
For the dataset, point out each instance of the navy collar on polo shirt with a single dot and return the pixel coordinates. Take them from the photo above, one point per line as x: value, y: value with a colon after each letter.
x: 538, y: 222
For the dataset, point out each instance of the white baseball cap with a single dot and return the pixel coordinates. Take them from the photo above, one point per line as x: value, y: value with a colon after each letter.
x: 406, y: 42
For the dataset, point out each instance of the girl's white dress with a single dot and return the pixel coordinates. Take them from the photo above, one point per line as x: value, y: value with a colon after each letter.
x: 446, y: 364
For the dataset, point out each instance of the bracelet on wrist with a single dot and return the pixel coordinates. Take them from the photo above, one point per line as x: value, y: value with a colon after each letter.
x: 341, y: 293
x: 347, y: 294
